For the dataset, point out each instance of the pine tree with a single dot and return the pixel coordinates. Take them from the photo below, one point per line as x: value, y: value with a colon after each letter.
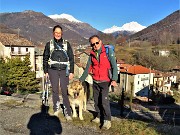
x: 20, y: 75
x: 2, y: 72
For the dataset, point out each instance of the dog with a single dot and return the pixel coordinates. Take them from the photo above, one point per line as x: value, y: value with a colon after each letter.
x: 77, y: 97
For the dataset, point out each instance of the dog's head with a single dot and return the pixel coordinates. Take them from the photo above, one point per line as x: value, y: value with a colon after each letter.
x: 75, y: 89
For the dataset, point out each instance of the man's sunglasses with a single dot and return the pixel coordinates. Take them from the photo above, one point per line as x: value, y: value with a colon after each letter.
x: 93, y: 44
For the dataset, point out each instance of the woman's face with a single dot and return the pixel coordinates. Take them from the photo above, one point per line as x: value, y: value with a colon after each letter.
x: 57, y: 33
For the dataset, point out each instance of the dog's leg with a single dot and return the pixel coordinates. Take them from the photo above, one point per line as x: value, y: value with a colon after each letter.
x: 84, y: 102
x: 74, y: 110
x: 80, y: 111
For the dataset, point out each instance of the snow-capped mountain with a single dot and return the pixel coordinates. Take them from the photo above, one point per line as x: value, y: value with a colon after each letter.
x: 65, y: 16
x: 132, y: 27
x: 79, y: 27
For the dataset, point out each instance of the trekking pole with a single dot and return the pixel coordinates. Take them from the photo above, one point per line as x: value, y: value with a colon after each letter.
x: 47, y: 91
x: 43, y: 93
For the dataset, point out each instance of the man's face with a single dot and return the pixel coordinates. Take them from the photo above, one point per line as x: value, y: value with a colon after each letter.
x: 57, y: 33
x: 96, y: 43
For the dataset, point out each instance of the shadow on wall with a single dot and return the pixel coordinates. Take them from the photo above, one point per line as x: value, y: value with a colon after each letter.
x: 143, y: 92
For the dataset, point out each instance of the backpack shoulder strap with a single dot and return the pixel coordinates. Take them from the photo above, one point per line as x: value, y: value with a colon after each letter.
x: 51, y: 46
x: 65, y: 44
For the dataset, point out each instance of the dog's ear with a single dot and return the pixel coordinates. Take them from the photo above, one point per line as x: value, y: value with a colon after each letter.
x: 78, y: 83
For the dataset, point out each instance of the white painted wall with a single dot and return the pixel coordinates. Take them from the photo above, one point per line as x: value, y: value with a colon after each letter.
x: 142, y: 81
x: 2, y: 48
x: 173, y: 79
x: 7, y: 53
x: 164, y: 53
x: 39, y: 64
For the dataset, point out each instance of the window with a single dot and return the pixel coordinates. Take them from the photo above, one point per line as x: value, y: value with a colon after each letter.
x: 12, y: 49
x: 19, y: 50
x: 26, y: 49
x: 36, y: 67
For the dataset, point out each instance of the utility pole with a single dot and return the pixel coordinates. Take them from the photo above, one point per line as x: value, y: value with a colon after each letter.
x: 129, y: 43
x: 149, y: 88
x: 131, y: 97
x: 122, y: 102
x: 122, y: 94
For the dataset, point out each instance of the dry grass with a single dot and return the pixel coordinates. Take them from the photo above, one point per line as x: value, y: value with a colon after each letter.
x: 177, y: 96
x: 119, y: 126
x: 125, y: 126
x: 12, y: 103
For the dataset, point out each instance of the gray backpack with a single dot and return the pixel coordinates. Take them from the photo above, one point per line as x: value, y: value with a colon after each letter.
x: 64, y: 49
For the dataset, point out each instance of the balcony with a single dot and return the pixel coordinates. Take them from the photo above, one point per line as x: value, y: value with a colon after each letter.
x: 19, y: 53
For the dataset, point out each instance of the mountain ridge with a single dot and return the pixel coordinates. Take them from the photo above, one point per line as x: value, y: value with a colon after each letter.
x: 159, y: 32
x: 64, y: 16
x: 131, y: 27
x: 38, y: 28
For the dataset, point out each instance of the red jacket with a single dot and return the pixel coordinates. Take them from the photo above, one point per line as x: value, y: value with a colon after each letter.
x: 100, y: 69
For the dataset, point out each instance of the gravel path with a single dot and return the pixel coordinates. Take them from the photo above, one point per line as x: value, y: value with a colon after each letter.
x: 27, y: 117
x: 22, y: 116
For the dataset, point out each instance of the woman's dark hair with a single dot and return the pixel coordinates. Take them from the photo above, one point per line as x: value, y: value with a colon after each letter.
x: 57, y: 26
x: 93, y: 37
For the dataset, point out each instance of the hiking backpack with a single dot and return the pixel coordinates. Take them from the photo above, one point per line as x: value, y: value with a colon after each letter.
x: 64, y: 49
x: 107, y: 47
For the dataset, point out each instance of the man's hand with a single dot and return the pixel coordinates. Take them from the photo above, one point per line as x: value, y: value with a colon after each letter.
x: 113, y: 83
x: 71, y: 75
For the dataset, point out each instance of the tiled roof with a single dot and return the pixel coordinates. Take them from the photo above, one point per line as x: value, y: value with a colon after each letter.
x: 78, y: 53
x: 176, y: 68
x: 88, y: 50
x: 13, y: 40
x: 162, y: 74
x: 120, y: 61
x: 135, y: 69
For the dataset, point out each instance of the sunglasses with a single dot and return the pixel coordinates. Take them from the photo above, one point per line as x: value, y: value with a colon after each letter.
x: 93, y: 44
x: 57, y: 33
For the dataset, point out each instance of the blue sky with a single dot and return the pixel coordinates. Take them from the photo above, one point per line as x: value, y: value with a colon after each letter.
x: 100, y: 14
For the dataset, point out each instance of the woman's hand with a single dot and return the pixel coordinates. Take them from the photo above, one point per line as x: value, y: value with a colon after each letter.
x: 47, y: 75
x: 71, y: 75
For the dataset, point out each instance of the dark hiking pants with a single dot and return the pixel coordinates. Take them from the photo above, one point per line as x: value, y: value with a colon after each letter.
x: 56, y: 77
x: 101, y: 100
